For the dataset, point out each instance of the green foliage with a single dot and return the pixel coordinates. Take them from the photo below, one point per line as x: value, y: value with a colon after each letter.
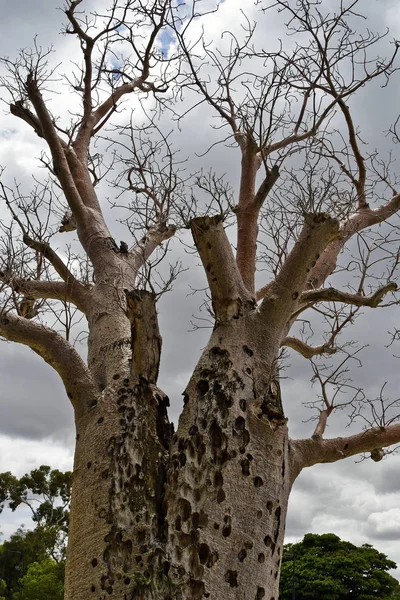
x: 3, y: 590
x: 45, y: 491
x: 329, y: 568
x: 24, y: 548
x: 43, y: 581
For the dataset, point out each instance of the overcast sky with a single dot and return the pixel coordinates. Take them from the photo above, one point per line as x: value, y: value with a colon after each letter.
x: 359, y: 501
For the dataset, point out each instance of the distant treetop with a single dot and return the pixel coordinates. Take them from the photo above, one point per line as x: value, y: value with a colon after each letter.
x: 324, y: 566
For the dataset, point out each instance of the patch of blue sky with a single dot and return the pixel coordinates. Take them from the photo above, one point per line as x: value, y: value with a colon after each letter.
x: 116, y: 64
x: 165, y: 40
x: 7, y: 133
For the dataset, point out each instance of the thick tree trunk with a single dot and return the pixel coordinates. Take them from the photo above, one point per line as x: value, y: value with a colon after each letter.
x: 118, y: 528
x: 198, y: 516
x: 230, y: 475
x: 117, y: 517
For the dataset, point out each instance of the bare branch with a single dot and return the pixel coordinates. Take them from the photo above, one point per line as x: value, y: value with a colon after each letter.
x: 308, y: 452
x: 56, y: 147
x: 153, y: 238
x: 283, y: 293
x: 262, y: 292
x: 322, y: 421
x: 363, y: 219
x: 333, y: 295
x: 58, y: 353
x: 93, y: 120
x: 46, y: 250
x: 230, y: 298
x: 266, y: 185
x: 75, y: 291
x: 32, y: 289
x: 306, y: 350
x: 247, y: 213
x: 362, y: 174
x: 22, y: 112
x: 248, y: 210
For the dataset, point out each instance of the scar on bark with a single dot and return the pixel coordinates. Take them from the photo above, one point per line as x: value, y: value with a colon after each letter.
x: 146, y: 340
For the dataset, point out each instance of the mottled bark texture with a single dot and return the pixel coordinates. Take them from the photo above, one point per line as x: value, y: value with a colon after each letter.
x: 230, y: 473
x: 197, y: 515
x: 117, y: 515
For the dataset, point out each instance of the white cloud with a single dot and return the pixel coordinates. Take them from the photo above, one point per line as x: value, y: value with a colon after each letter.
x: 20, y: 455
x: 385, y: 524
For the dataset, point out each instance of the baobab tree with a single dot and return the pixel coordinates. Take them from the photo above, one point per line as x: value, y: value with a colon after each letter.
x: 199, y: 513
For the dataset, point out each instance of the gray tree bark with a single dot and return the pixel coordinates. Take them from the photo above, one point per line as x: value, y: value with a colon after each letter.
x: 200, y: 514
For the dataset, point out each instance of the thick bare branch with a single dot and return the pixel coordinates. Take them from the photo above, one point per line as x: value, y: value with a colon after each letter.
x: 363, y: 219
x: 46, y: 250
x: 316, y: 450
x: 22, y: 112
x: 362, y: 173
x: 146, y: 338
x: 111, y: 102
x: 266, y: 186
x: 73, y: 4
x: 262, y: 292
x: 306, y: 350
x: 153, y: 238
x: 58, y: 353
x: 74, y: 179
x: 322, y: 421
x: 230, y: 298
x: 248, y: 210
x: 247, y: 213
x: 283, y: 293
x: 55, y: 146
x: 74, y: 291
x: 334, y: 295
x: 53, y: 290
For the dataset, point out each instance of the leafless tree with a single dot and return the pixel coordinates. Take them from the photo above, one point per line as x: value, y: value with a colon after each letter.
x: 199, y: 513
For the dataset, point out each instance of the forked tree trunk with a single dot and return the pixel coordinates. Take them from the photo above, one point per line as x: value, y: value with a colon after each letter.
x: 199, y: 515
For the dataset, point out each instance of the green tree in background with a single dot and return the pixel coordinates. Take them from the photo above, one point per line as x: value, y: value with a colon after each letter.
x: 2, y: 590
x: 42, y: 581
x: 24, y: 548
x: 46, y: 492
x: 324, y: 566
